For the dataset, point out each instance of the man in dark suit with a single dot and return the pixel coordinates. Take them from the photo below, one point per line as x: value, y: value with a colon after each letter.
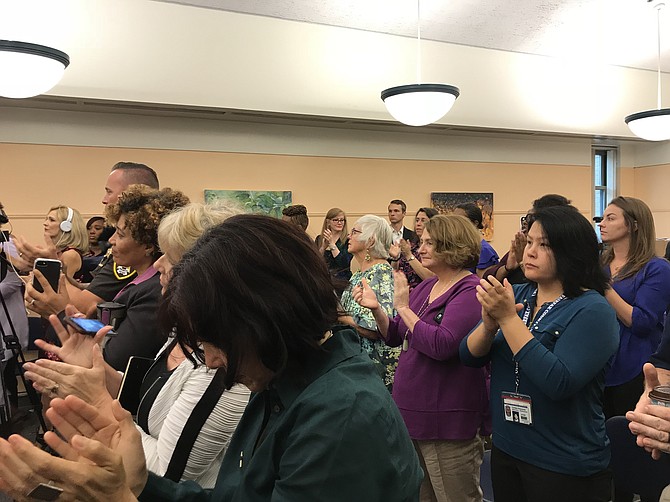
x: 397, y: 210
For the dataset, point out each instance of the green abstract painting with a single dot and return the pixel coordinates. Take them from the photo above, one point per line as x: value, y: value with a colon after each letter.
x: 267, y: 202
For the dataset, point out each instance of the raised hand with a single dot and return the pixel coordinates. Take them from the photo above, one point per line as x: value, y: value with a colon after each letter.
x: 394, y: 251
x: 365, y: 296
x: 58, y: 379
x: 112, y: 440
x: 517, y: 248
x: 49, y: 302
x: 400, y: 290
x: 76, y: 348
x: 496, y: 299
x: 405, y: 248
x: 30, y: 252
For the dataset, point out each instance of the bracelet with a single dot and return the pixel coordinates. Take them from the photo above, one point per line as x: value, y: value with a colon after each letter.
x: 393, y: 259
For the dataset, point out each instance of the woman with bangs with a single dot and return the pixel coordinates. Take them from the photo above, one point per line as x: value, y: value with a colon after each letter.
x: 442, y: 402
x: 549, y: 343
x: 333, y: 243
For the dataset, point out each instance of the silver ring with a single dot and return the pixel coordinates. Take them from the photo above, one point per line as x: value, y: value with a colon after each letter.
x: 32, y: 302
x: 20, y: 254
x: 54, y: 390
x: 45, y: 491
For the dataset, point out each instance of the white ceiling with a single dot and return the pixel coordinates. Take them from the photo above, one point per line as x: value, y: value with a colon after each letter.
x: 552, y: 66
x: 617, y: 32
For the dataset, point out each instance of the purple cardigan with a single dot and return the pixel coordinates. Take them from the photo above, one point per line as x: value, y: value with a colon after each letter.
x: 437, y: 396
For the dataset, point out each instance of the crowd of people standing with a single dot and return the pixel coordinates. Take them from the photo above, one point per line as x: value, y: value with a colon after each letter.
x: 370, y: 363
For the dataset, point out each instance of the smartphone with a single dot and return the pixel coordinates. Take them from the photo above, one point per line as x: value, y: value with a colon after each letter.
x: 129, y: 392
x: 83, y: 325
x: 50, y: 269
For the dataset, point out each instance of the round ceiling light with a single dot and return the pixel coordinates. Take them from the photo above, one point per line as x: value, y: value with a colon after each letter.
x: 419, y: 104
x: 29, y: 69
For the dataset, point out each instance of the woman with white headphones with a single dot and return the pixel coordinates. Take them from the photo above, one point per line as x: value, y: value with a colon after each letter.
x: 67, y: 230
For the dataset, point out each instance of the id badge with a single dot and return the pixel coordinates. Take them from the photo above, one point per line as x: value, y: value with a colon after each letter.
x: 517, y: 408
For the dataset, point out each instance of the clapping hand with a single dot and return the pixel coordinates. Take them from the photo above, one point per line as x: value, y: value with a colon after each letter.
x: 75, y: 347
x: 365, y: 296
x: 394, y: 251
x: 405, y: 248
x: 497, y: 300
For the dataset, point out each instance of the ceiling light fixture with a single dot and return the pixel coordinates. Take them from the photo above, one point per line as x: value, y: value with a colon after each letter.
x: 653, y: 125
x: 419, y: 104
x: 29, y: 69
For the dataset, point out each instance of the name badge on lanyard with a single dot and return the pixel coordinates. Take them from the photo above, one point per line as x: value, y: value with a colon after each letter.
x: 517, y: 407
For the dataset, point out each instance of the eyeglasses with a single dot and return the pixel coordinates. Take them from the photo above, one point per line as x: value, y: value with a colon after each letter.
x: 338, y: 220
x: 355, y: 231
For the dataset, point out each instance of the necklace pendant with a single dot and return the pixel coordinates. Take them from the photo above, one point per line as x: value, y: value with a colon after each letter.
x: 405, y: 345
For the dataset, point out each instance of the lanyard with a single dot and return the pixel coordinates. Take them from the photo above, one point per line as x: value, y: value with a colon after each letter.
x: 526, y: 320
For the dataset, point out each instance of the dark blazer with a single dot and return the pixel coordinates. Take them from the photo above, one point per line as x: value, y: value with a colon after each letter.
x: 409, y: 235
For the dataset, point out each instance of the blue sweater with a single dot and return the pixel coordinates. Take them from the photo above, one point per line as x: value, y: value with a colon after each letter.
x: 563, y: 371
x: 648, y: 292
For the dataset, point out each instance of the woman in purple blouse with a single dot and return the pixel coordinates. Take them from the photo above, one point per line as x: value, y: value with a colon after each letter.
x: 639, y: 293
x: 442, y: 402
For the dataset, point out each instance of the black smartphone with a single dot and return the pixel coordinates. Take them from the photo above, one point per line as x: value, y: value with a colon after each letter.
x: 83, y: 325
x: 50, y: 269
x: 129, y: 392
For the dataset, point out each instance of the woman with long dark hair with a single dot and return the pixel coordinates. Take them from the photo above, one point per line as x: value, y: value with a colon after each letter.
x: 549, y: 343
x: 257, y: 296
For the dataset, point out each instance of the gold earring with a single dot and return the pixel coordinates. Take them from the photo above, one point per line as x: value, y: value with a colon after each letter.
x: 367, y: 255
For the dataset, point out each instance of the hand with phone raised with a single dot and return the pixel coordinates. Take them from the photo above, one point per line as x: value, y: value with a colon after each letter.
x: 42, y: 296
x: 75, y: 347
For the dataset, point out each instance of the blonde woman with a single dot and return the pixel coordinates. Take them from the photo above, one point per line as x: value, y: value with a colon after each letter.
x: 66, y: 229
x: 369, y: 242
x: 181, y: 379
x: 333, y: 243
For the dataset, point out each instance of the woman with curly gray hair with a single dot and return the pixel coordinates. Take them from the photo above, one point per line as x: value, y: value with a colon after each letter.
x: 369, y: 242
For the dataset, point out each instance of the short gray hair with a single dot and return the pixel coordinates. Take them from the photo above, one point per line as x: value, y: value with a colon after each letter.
x: 377, y: 233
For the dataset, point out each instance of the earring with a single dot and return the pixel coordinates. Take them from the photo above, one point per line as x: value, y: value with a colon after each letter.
x: 367, y: 255
x: 147, y: 253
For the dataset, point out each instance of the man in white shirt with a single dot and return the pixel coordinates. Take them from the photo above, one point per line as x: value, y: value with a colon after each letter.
x: 397, y: 210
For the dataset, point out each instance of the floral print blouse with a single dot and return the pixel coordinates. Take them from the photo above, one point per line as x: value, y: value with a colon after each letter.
x: 380, y: 279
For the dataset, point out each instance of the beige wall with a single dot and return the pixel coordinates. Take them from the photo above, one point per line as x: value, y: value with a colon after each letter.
x: 76, y: 176
x: 63, y: 156
x: 652, y: 185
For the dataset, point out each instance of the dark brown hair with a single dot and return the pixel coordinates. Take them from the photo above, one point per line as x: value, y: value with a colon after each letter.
x: 253, y: 286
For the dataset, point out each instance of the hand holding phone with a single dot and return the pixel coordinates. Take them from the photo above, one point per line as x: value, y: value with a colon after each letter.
x: 50, y: 269
x: 84, y: 326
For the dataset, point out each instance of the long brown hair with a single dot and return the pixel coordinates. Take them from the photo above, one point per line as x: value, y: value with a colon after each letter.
x: 640, y: 221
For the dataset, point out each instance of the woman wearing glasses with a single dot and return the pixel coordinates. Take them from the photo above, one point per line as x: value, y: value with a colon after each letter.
x: 333, y: 243
x: 369, y: 243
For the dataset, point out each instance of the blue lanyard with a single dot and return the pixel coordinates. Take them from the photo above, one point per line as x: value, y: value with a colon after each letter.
x: 529, y: 308
x: 526, y: 321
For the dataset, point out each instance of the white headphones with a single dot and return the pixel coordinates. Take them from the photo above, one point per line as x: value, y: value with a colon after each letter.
x: 66, y: 225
